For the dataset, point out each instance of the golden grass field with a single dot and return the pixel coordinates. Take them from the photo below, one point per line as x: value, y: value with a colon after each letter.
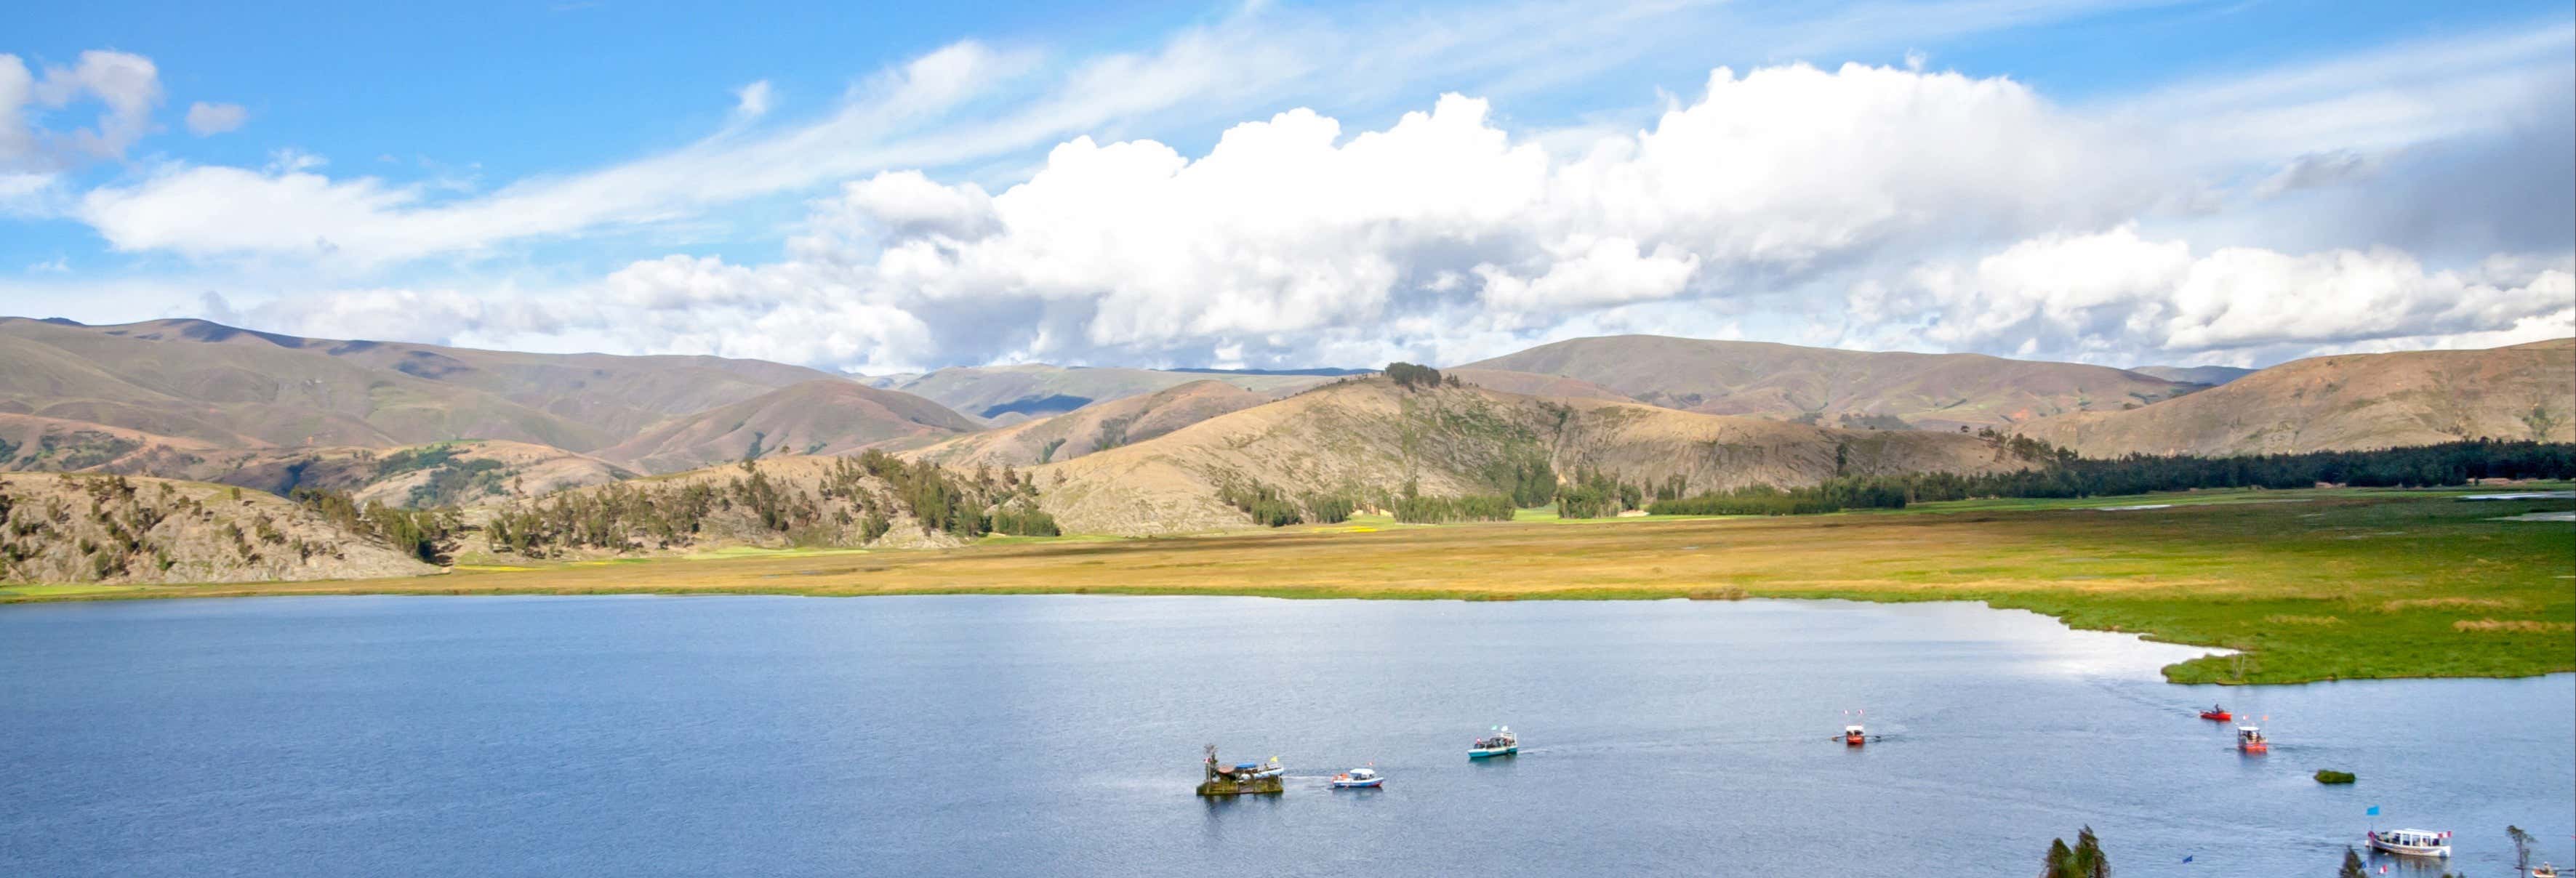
x: 2312, y: 584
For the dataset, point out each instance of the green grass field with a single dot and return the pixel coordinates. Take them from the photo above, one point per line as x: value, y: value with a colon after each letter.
x: 2310, y: 585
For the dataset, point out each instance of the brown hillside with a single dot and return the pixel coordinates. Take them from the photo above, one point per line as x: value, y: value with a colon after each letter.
x: 780, y: 501
x: 1001, y: 394
x: 2347, y: 402
x: 419, y: 476
x: 822, y: 417
x: 200, y: 380
x: 1830, y: 387
x: 1367, y: 438
x: 98, y: 528
x: 1536, y: 384
x: 29, y: 443
x: 1094, y: 427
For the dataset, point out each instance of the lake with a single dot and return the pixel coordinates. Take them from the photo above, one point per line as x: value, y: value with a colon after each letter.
x: 1061, y: 735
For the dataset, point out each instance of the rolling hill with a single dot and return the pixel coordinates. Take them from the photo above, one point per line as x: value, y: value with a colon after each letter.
x: 1003, y: 394
x: 197, y: 380
x: 2344, y: 403
x: 29, y: 443
x: 1094, y: 427
x: 1535, y: 384
x: 825, y: 416
x: 1369, y: 438
x: 1830, y: 387
x: 437, y: 474
x: 119, y: 529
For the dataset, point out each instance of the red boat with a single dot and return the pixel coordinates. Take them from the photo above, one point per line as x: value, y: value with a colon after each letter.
x: 2250, y: 739
x: 2218, y: 713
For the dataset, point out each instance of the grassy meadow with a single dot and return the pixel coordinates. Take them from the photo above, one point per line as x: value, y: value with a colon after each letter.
x: 2310, y: 585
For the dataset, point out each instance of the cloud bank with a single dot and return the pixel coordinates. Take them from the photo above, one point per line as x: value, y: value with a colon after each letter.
x: 2408, y: 195
x: 1443, y: 236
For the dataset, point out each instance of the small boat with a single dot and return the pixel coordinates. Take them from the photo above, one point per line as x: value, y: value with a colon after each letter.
x: 1358, y: 779
x: 2544, y: 870
x: 1258, y: 771
x: 2412, y: 842
x: 2250, y: 739
x: 2217, y: 713
x: 1853, y: 734
x: 1501, y: 743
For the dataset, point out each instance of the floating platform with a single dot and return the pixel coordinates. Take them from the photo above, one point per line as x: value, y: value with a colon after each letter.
x: 1242, y: 780
x: 1227, y: 786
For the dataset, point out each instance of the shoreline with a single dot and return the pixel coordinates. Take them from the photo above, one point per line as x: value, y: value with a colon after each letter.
x: 2343, y: 585
x: 2143, y: 637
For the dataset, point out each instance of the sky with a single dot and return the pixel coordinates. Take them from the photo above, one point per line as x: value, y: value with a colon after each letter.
x: 1291, y: 185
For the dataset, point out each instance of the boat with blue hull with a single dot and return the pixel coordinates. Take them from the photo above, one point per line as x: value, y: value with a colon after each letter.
x: 1501, y: 743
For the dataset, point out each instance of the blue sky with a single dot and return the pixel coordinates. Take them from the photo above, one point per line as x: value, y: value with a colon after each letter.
x: 852, y: 188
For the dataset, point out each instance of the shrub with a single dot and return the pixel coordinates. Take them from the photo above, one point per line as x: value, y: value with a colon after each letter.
x: 1329, y: 508
x: 1413, y: 377
x: 1022, y: 521
x: 1439, y: 510
x: 1265, y: 504
x: 2328, y: 775
x: 1530, y: 480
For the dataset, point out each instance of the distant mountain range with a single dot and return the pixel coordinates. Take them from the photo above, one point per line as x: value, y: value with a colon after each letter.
x: 823, y: 416
x: 1143, y: 449
x: 1829, y: 387
x: 2347, y: 402
x: 2210, y: 375
x: 197, y: 380
x: 1003, y: 394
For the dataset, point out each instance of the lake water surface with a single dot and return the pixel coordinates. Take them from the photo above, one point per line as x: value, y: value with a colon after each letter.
x: 1060, y: 735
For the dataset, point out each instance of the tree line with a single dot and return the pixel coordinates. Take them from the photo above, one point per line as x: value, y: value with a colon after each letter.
x: 2053, y: 473
x: 2066, y: 476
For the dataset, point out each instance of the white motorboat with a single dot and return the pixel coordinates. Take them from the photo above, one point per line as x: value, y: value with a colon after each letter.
x: 2412, y: 842
x: 1358, y: 778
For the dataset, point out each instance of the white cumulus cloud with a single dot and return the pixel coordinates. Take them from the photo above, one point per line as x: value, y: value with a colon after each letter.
x: 125, y: 86
x: 206, y: 120
x: 1292, y: 225
x: 2117, y: 295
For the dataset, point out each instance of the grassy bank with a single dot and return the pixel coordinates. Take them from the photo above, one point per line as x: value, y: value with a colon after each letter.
x: 2312, y: 585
